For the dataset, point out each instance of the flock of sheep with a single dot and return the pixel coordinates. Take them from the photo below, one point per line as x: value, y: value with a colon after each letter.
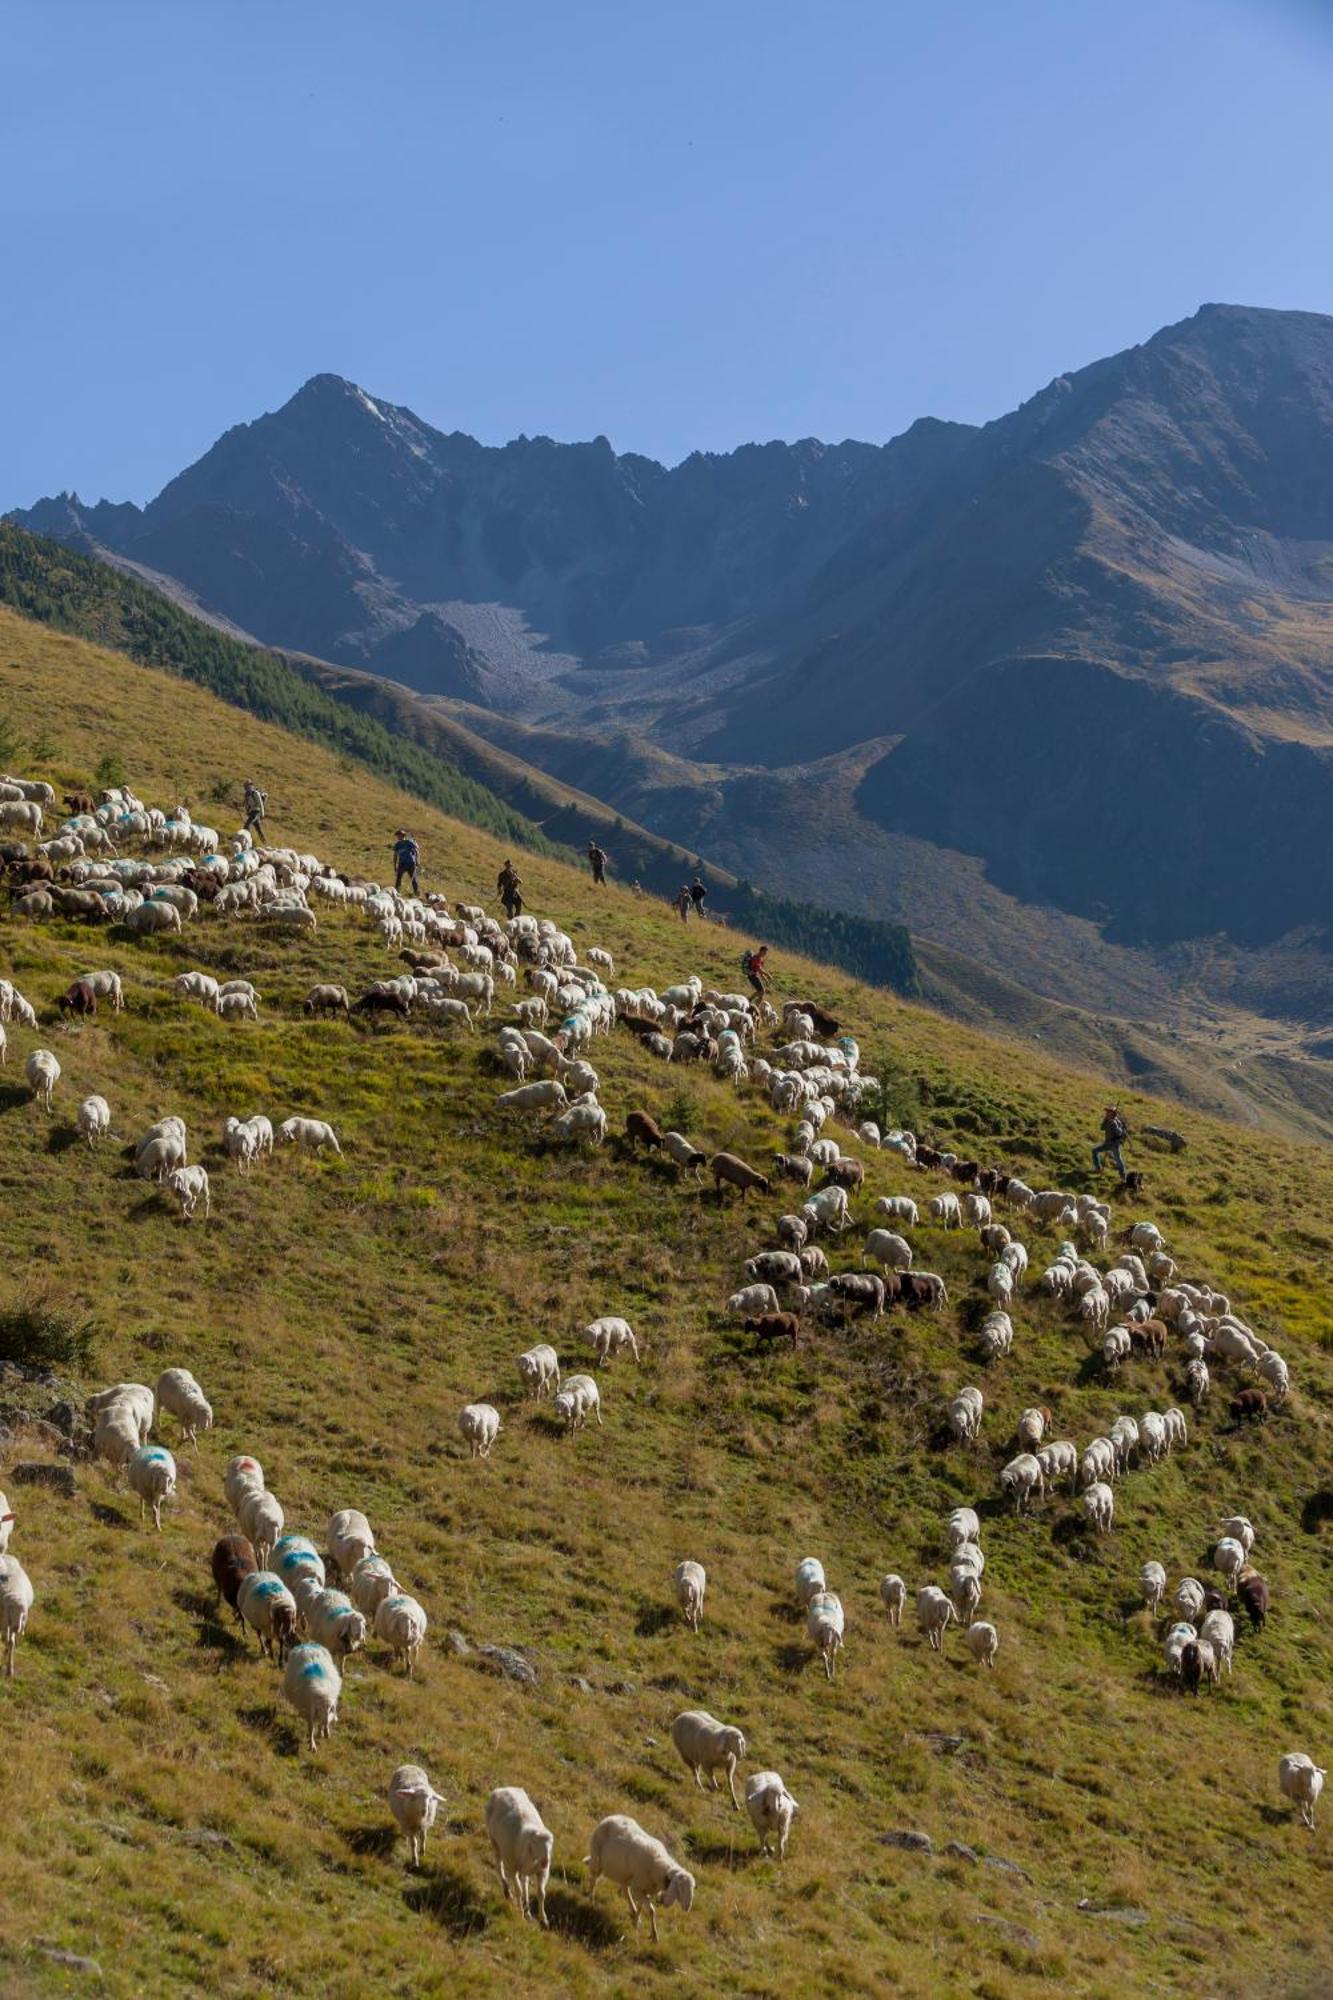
x: 276, y: 1581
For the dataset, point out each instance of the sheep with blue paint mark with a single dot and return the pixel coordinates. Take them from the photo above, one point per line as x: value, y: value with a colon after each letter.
x: 312, y: 1684
x: 152, y: 1475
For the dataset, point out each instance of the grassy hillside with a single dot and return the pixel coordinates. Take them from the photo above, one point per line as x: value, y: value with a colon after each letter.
x: 160, y: 1816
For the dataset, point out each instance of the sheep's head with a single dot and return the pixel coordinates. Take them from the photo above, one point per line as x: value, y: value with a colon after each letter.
x: 680, y: 1889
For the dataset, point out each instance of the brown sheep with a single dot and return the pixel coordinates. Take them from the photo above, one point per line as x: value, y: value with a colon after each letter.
x: 233, y: 1561
x: 85, y: 903
x: 825, y: 1024
x: 965, y: 1172
x: 844, y: 1173
x: 78, y: 999
x: 1148, y: 1338
x: 1251, y: 1404
x: 731, y: 1168
x: 1252, y: 1590
x: 928, y: 1156
x: 640, y: 1129
x: 774, y: 1326
x: 80, y: 802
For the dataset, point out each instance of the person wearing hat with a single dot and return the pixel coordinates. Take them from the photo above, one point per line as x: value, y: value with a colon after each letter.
x: 406, y: 860
x: 1114, y: 1133
x: 509, y: 888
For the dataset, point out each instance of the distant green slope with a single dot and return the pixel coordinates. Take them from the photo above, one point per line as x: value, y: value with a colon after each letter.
x: 73, y: 593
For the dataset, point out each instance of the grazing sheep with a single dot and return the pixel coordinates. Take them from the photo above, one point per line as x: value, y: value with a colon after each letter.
x: 237, y: 1007
x: 524, y: 1847
x: 311, y: 1134
x: 1252, y: 1590
x: 809, y: 1579
x: 691, y: 1583
x: 1230, y: 1556
x: 1241, y: 1528
x: 983, y: 1643
x: 731, y: 1169
x: 328, y: 1000
x: 93, y: 1119
x: 16, y: 1597
x: 577, y: 1400
x: 242, y: 1472
x: 824, y: 1625
x: 295, y: 1557
x: 1021, y: 1478
x: 893, y: 1596
x: 480, y: 1426
x: 882, y: 1246
x: 43, y: 1074
x: 233, y: 1561
x: 349, y: 1539
x: 7, y: 1519
x: 705, y: 1744
x: 312, y: 1684
x: 152, y: 1475
x: 1152, y: 1584
x: 633, y: 1859
x: 898, y: 1208
x: 678, y: 1148
x: 610, y: 1336
x: 771, y: 1808
x: 539, y: 1369
x: 1299, y: 1779
x: 964, y: 1525
x: 964, y: 1588
x: 1219, y: 1629
x: 964, y: 1415
x: 401, y: 1623
x: 1189, y: 1599
x: 934, y: 1612
x: 1099, y: 1506
x: 333, y: 1621
x: 414, y: 1803
x: 181, y: 1397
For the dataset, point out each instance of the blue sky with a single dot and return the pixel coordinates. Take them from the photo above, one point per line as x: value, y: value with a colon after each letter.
x: 682, y: 225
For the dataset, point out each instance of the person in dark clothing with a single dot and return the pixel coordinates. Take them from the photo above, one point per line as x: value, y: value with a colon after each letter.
x: 509, y: 888
x: 597, y: 862
x: 755, y: 967
x: 682, y: 904
x: 1114, y: 1133
x: 256, y: 805
x: 406, y: 860
x: 698, y: 895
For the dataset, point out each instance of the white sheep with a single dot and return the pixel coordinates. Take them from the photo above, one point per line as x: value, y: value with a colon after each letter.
x: 43, y: 1074
x: 539, y: 1369
x: 401, y: 1623
x: 633, y: 1859
x: 705, y: 1744
x: 610, y: 1336
x: 93, y: 1118
x: 1299, y: 1778
x: 1219, y: 1629
x: 190, y: 1187
x: 371, y: 1582
x: 809, y: 1579
x: 934, y: 1612
x: 1241, y: 1528
x: 1022, y: 1478
x: 264, y: 1603
x: 7, y: 1519
x: 893, y: 1596
x: 882, y: 1246
x: 964, y: 1525
x: 1190, y: 1598
x: 771, y: 1808
x: 349, y: 1539
x: 751, y: 1301
x: 181, y: 1397
x: 480, y: 1426
x: 237, y: 1007
x: 242, y: 1473
x: 1230, y: 1557
x: 414, y: 1803
x: 312, y: 1684
x: 1181, y: 1634
x: 334, y: 1621
x: 964, y: 1588
x: 311, y: 1134
x: 983, y: 1643
x: 577, y: 1399
x: 824, y: 1626
x: 964, y: 1414
x: 898, y: 1208
x: 1152, y: 1585
x: 1099, y: 1506
x: 261, y: 1517
x: 549, y: 1095
x: 16, y: 1598
x: 152, y: 1475
x: 691, y: 1582
x: 524, y: 1848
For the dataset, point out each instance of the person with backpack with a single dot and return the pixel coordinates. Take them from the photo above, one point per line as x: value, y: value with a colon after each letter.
x: 597, y: 863
x: 1114, y: 1133
x: 256, y: 805
x: 698, y: 894
x: 754, y: 964
x: 406, y: 860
